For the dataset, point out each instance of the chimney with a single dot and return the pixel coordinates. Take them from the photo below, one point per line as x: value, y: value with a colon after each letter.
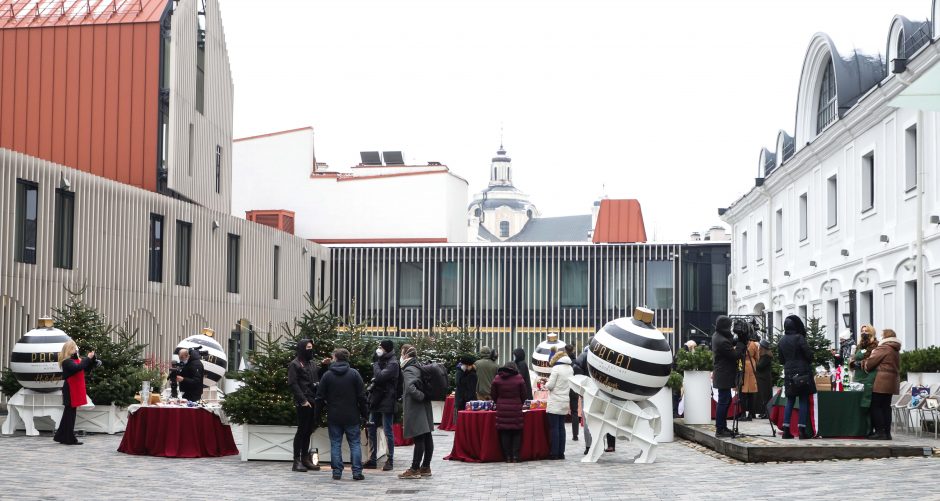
x: 717, y: 233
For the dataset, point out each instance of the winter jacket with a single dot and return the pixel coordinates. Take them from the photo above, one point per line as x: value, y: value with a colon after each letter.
x: 765, y: 382
x: 466, y: 390
x: 192, y: 372
x: 750, y: 364
x: 508, y: 392
x: 417, y: 418
x: 302, y: 377
x: 486, y: 371
x: 886, y: 359
x: 384, y: 383
x: 558, y: 386
x: 71, y: 367
x: 342, y: 393
x: 726, y: 355
x: 519, y: 357
x: 795, y: 353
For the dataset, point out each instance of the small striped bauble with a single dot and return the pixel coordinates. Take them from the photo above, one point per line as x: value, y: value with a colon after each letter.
x: 629, y: 359
x: 215, y: 363
x: 35, y: 358
x: 543, y: 354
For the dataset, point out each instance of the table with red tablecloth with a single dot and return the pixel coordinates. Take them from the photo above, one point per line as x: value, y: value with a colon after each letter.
x: 448, y: 423
x: 731, y: 408
x: 399, y: 433
x: 180, y: 432
x: 477, y: 440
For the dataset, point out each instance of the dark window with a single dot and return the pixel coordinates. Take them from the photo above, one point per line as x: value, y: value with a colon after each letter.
x: 827, y: 108
x: 232, y: 268
x: 64, y: 237
x: 27, y: 220
x: 659, y: 284
x: 192, y: 147
x: 409, y: 284
x: 910, y: 158
x: 277, y: 264
x: 156, y: 248
x: 804, y: 217
x: 868, y: 181
x: 322, y: 278
x: 313, y: 278
x: 504, y: 229
x: 218, y: 169
x: 448, y: 283
x: 832, y: 202
x: 574, y: 283
x: 201, y: 56
x: 184, y: 244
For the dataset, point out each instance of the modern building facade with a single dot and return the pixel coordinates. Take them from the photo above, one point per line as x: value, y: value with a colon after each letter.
x: 842, y: 223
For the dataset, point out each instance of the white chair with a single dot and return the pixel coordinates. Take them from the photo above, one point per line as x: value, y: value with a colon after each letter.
x: 932, y: 407
x: 899, y: 408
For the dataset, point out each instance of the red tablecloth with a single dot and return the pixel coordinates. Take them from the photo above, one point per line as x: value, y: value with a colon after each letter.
x: 399, y: 434
x: 448, y: 423
x: 177, y: 432
x: 731, y: 408
x: 477, y: 440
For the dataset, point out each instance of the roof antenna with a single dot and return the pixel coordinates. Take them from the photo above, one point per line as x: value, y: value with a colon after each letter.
x: 500, y: 135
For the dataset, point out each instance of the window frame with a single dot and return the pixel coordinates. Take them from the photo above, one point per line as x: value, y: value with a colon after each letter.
x: 232, y: 263
x: 156, y: 243
x: 911, y: 138
x: 184, y: 253
x: 827, y: 99
x: 417, y: 265
x: 63, y: 246
x: 504, y: 229
x: 743, y: 250
x: 23, y: 229
x: 759, y: 241
x: 868, y: 174
x: 440, y: 284
x: 778, y: 231
x: 832, y: 202
x: 804, y: 217
x: 565, y: 287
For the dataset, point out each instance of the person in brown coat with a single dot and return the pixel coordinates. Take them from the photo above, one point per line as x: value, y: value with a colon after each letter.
x: 509, y: 393
x: 886, y: 359
x: 749, y: 386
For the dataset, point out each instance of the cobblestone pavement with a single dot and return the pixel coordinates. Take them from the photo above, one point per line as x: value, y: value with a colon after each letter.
x: 38, y: 468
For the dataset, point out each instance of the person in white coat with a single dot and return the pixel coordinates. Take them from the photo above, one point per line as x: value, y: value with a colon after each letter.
x: 558, y: 403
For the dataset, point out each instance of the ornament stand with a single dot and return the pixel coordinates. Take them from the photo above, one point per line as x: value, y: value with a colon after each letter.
x: 638, y: 422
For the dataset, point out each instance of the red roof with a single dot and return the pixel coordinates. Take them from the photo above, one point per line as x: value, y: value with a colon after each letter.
x: 43, y: 13
x: 619, y: 222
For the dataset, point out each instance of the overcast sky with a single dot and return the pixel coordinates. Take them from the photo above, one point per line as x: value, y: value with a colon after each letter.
x: 666, y: 101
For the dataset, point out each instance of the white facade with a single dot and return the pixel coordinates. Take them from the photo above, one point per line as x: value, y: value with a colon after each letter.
x: 369, y: 204
x: 848, y: 207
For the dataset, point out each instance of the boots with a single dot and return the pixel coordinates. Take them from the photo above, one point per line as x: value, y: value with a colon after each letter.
x: 804, y: 433
x: 307, y: 461
x: 786, y: 433
x: 298, y: 464
x: 425, y: 471
x: 389, y: 466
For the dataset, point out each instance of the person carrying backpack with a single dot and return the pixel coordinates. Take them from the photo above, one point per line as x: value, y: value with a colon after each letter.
x: 417, y: 419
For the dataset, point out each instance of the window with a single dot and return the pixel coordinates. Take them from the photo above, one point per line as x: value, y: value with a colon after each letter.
x: 619, y: 284
x: 910, y: 158
x: 868, y: 181
x: 910, y: 314
x: 313, y: 278
x: 802, y: 313
x: 834, y: 322
x: 759, y: 240
x: 866, y: 307
x: 448, y: 283
x: 832, y: 202
x: 826, y: 110
x: 659, y: 284
x: 192, y: 145
x: 778, y: 230
x: 27, y: 221
x: 504, y: 229
x: 201, y: 56
x: 156, y: 248
x: 64, y: 229
x: 231, y: 278
x: 744, y: 250
x: 218, y: 169
x: 277, y: 264
x: 322, y: 281
x: 184, y: 245
x: 574, y: 283
x: 409, y: 284
x: 719, y: 287
x: 804, y: 217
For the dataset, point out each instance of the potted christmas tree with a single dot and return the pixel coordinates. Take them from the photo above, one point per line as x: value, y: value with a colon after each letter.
x: 696, y: 367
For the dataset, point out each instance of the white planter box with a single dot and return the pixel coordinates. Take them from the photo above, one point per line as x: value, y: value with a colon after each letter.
x: 663, y: 402
x: 276, y: 443
x: 321, y: 442
x: 914, y: 378
x: 231, y: 385
x: 697, y: 390
x: 99, y: 419
x: 437, y: 409
x: 929, y: 378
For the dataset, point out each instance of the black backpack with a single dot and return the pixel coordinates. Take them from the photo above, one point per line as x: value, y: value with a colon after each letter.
x: 434, y: 381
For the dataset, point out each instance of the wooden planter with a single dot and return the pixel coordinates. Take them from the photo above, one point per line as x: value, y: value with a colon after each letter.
x: 276, y: 443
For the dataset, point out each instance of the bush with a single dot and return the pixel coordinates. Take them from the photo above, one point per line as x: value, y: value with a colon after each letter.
x: 674, y: 382
x: 698, y: 359
x: 8, y: 383
x: 920, y: 360
x: 265, y: 398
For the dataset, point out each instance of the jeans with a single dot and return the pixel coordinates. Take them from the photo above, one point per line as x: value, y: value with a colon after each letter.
x: 305, y: 427
x: 386, y: 418
x: 424, y: 447
x: 556, y: 435
x: 336, y: 447
x: 721, y: 410
x: 880, y: 411
x: 804, y: 410
x: 510, y: 441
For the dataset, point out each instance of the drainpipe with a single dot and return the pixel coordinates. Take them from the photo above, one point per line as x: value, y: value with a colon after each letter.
x: 919, y: 265
x: 771, y: 251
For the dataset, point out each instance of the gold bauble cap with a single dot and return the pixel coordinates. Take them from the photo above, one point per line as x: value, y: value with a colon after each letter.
x: 45, y: 322
x: 208, y: 331
x: 644, y: 315
x: 552, y: 337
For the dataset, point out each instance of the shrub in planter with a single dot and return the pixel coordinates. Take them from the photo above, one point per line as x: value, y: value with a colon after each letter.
x: 698, y: 359
x: 8, y: 383
x: 920, y: 360
x: 265, y: 397
x: 675, y: 381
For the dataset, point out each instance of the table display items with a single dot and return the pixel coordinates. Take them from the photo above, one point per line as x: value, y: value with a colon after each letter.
x: 213, y: 357
x: 543, y: 353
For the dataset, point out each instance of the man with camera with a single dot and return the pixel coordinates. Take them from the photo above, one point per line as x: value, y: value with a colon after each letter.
x: 383, y: 393
x: 190, y: 374
x: 727, y: 350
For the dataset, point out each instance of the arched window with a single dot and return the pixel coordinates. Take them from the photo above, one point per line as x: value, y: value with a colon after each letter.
x: 504, y: 229
x: 902, y: 54
x: 528, y: 213
x: 826, y: 110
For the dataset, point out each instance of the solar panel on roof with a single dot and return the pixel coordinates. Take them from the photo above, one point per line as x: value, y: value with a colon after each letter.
x: 370, y: 158
x: 393, y: 158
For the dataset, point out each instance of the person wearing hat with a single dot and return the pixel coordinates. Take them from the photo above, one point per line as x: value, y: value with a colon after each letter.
x: 886, y: 358
x: 465, y: 382
x: 486, y: 371
x: 765, y: 378
x: 382, y: 397
x: 726, y: 352
x: 797, y: 359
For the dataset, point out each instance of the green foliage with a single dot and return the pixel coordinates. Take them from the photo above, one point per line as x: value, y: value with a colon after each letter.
x: 920, y: 360
x: 818, y: 344
x: 675, y: 381
x: 265, y: 398
x: 698, y: 359
x: 445, y: 345
x: 8, y: 383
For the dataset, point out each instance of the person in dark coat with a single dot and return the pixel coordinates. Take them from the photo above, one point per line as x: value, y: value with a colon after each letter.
x: 726, y: 352
x: 73, y: 389
x: 382, y: 400
x: 342, y: 392
x: 573, y: 397
x: 765, y: 379
x: 522, y: 365
x: 797, y: 360
x: 191, y: 374
x: 302, y: 379
x: 417, y: 419
x: 508, y: 392
x: 466, y: 383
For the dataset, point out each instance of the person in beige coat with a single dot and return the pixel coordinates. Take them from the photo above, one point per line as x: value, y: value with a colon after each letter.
x: 558, y: 404
x: 886, y: 359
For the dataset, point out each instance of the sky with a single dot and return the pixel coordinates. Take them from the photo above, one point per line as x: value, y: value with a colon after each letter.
x: 665, y: 101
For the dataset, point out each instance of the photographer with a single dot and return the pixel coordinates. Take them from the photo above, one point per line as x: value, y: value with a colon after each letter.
x: 748, y: 383
x: 382, y: 397
x: 190, y: 374
x: 73, y: 389
x: 797, y: 360
x: 727, y: 350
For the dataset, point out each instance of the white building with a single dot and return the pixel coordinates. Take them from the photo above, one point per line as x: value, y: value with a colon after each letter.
x: 374, y: 201
x: 844, y: 218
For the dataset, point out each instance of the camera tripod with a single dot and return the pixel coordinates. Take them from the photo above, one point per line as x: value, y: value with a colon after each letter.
x: 737, y: 407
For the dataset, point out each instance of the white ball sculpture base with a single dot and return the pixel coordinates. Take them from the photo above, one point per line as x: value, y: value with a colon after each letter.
x: 638, y: 422
x: 27, y: 404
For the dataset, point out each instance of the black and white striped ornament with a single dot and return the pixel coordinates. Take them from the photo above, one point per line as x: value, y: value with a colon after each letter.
x: 543, y: 354
x: 35, y: 358
x: 215, y: 363
x: 629, y: 358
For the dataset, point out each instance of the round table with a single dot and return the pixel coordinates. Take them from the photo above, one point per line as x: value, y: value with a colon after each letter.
x: 477, y: 440
x: 448, y: 423
x: 177, y: 432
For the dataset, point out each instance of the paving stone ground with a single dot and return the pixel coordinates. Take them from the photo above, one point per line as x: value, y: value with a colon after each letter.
x: 38, y: 468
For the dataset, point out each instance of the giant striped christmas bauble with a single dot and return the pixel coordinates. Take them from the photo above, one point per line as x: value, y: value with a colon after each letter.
x: 35, y: 358
x: 215, y: 363
x: 629, y: 359
x: 543, y: 354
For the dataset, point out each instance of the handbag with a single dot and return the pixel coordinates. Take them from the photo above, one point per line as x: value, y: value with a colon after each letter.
x: 800, y: 383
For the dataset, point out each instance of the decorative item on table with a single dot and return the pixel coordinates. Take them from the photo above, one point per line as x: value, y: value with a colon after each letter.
x: 213, y: 357
x: 823, y: 382
x: 918, y: 394
x: 854, y: 387
x: 35, y: 358
x: 543, y: 353
x: 145, y: 393
x: 629, y: 358
x: 838, y: 378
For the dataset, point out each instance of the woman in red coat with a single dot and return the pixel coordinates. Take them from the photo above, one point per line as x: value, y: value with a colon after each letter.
x: 508, y: 393
x: 73, y: 390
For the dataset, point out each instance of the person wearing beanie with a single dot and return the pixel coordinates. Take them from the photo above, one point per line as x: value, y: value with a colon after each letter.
x: 522, y: 365
x: 886, y: 359
x: 725, y: 353
x: 302, y: 378
x: 508, y: 391
x: 486, y: 371
x: 465, y: 382
x: 558, y: 404
x: 417, y: 417
x: 797, y: 359
x: 765, y: 378
x: 383, y: 394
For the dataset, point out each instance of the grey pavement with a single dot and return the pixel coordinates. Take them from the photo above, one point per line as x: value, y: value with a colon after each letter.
x: 38, y: 468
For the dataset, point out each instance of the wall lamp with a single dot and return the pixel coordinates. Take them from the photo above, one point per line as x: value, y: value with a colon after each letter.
x: 747, y: 287
x: 786, y: 273
x: 766, y: 281
x: 935, y: 219
x: 845, y: 252
x: 812, y: 263
x: 215, y: 225
x: 883, y: 238
x: 733, y: 293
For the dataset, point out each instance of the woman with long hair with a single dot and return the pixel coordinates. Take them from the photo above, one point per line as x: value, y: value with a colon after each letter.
x: 887, y: 359
x: 863, y: 350
x: 73, y: 389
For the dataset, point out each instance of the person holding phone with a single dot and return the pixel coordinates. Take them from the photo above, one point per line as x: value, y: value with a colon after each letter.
x: 302, y: 377
x: 73, y: 389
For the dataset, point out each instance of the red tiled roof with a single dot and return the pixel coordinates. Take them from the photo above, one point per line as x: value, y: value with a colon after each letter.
x: 619, y: 221
x: 45, y: 13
